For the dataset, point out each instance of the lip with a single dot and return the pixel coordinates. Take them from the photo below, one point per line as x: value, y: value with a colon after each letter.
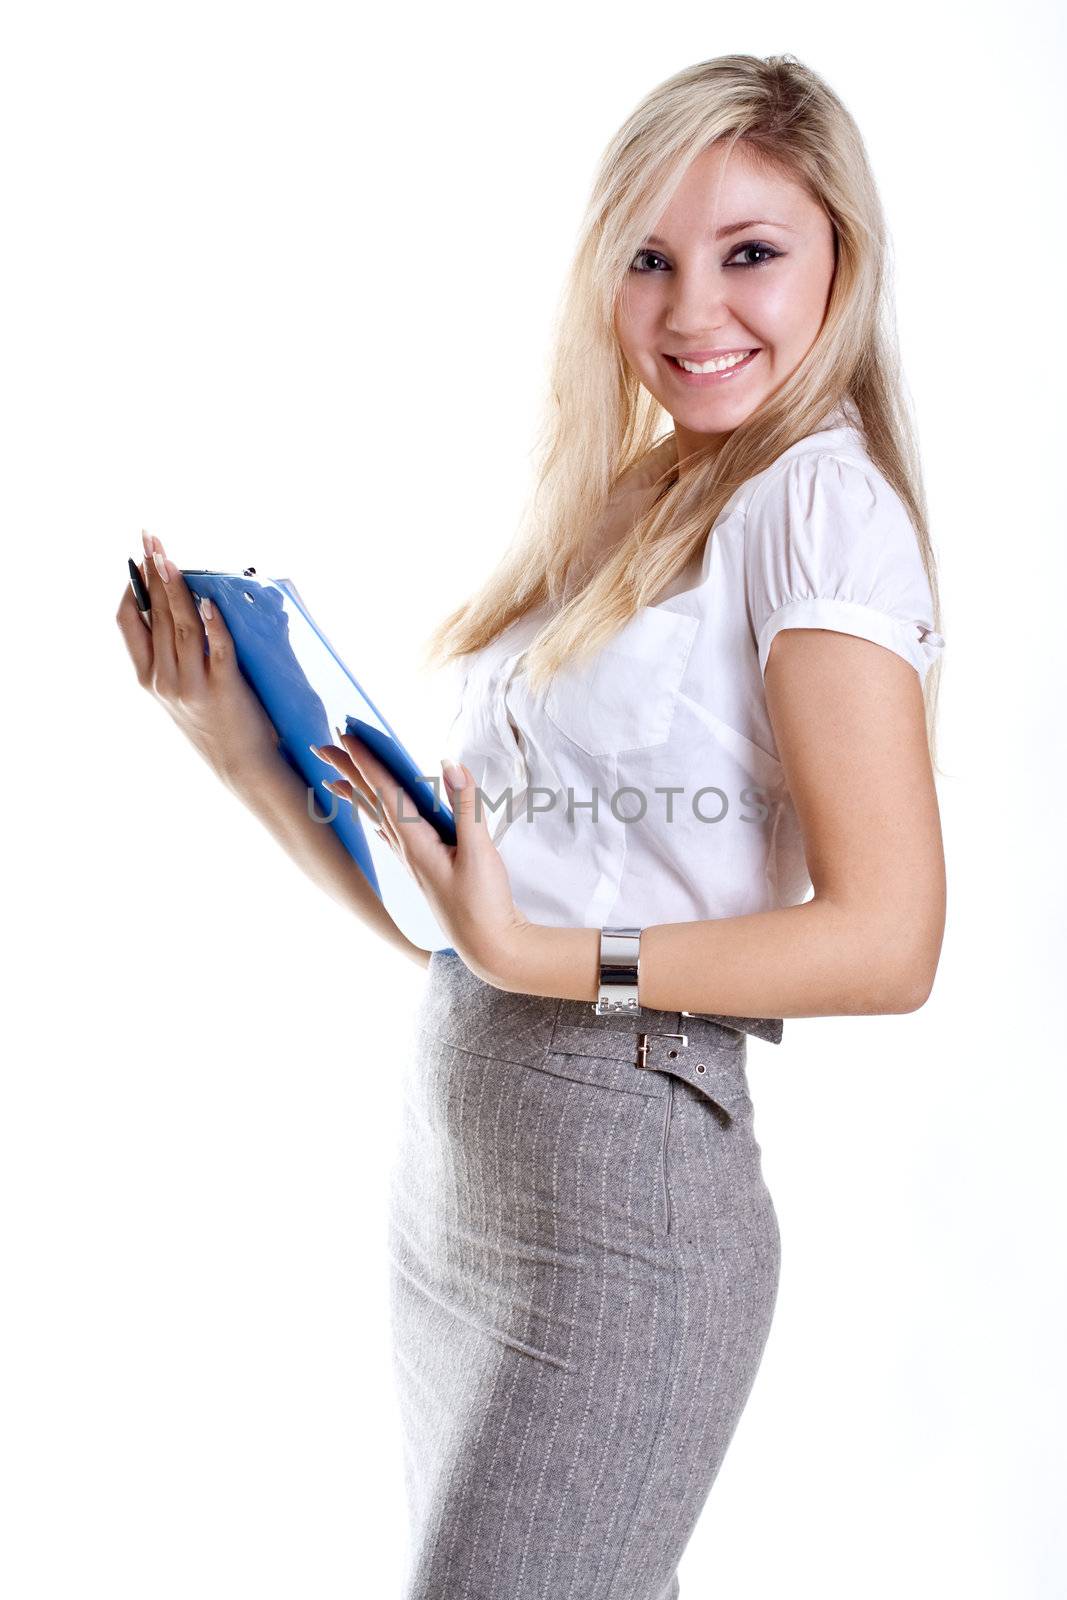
x: 704, y: 380
x: 708, y: 355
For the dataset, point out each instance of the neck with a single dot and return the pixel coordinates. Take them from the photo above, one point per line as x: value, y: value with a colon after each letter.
x: 695, y: 448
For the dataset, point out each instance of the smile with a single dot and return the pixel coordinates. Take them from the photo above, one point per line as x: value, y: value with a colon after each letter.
x: 703, y: 373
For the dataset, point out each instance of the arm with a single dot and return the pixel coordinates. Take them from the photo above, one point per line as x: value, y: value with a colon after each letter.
x: 278, y: 796
x: 210, y: 701
x: 849, y: 724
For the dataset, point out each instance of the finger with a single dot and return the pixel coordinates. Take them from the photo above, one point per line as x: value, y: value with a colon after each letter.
x: 356, y: 796
x: 471, y: 829
x: 222, y: 656
x: 383, y: 792
x: 363, y: 794
x: 187, y: 626
x: 165, y: 658
x: 147, y: 615
x: 342, y: 761
x: 137, y: 637
x: 340, y: 787
x: 395, y: 848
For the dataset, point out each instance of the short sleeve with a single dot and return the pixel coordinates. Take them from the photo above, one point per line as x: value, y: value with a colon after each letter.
x: 829, y: 544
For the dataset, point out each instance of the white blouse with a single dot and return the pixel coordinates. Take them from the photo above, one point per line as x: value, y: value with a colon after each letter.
x: 645, y: 784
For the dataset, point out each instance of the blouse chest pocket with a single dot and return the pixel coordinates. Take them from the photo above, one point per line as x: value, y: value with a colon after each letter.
x: 625, y: 697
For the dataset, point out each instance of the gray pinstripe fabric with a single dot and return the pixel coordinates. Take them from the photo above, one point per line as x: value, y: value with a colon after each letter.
x: 584, y: 1267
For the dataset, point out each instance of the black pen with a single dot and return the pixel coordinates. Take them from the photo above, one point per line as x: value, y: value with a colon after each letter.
x: 140, y: 594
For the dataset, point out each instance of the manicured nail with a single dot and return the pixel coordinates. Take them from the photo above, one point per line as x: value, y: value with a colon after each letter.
x: 161, y: 566
x: 454, y: 776
x: 206, y: 608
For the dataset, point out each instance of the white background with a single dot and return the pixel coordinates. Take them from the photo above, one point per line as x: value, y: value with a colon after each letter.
x: 278, y: 287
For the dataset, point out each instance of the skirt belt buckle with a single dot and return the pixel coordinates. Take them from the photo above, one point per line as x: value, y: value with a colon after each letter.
x: 642, y: 1045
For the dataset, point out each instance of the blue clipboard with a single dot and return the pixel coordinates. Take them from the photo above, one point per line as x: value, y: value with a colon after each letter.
x: 306, y: 689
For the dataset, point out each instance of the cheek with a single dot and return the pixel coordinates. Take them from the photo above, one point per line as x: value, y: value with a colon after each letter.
x: 635, y: 324
x: 785, y: 314
x: 624, y: 337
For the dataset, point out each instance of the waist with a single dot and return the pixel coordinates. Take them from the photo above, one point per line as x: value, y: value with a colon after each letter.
x: 629, y: 1050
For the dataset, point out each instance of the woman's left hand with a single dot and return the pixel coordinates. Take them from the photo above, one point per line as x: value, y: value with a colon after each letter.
x: 467, y: 884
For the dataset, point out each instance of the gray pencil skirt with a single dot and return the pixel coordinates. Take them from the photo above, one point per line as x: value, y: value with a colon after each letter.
x: 584, y: 1264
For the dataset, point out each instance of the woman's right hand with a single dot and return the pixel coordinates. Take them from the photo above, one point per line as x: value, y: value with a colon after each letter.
x: 206, y: 695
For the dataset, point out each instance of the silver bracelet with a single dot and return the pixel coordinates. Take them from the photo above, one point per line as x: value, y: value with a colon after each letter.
x: 620, y: 954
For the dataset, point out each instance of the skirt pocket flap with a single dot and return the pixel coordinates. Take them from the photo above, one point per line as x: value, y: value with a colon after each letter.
x: 712, y: 1066
x: 769, y: 1028
x: 713, y: 1061
x: 605, y: 1056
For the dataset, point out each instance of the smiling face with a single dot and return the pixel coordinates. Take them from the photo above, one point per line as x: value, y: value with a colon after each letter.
x: 741, y: 261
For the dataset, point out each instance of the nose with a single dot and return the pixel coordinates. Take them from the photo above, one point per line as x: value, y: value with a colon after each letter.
x: 697, y: 305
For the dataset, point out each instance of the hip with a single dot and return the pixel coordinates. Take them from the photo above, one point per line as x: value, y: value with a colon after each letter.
x: 635, y: 1131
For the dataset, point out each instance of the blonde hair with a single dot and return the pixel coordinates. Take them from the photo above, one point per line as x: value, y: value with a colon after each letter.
x: 600, y: 423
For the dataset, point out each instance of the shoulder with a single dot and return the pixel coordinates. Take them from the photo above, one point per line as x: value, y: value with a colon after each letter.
x: 826, y: 494
x: 828, y: 543
x: 833, y: 462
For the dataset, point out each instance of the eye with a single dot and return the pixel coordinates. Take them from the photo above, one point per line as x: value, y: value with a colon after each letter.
x: 765, y: 252
x: 633, y: 265
x: 769, y: 254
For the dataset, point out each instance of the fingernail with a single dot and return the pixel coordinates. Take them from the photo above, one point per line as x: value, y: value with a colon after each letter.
x: 161, y: 566
x: 206, y: 608
x: 454, y: 776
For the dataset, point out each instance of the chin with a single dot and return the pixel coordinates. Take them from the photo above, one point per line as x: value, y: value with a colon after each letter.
x: 732, y: 409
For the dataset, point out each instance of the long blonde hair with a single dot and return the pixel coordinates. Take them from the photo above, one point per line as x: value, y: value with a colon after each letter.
x: 600, y: 423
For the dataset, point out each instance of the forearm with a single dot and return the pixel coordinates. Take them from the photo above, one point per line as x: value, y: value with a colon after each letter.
x: 278, y: 796
x: 811, y: 960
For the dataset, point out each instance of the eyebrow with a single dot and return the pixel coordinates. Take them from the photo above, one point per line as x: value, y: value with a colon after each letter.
x: 733, y: 227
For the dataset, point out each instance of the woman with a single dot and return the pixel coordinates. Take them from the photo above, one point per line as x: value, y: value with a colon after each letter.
x: 694, y: 691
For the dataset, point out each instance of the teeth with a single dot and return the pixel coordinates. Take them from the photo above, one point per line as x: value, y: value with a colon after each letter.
x: 719, y: 365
